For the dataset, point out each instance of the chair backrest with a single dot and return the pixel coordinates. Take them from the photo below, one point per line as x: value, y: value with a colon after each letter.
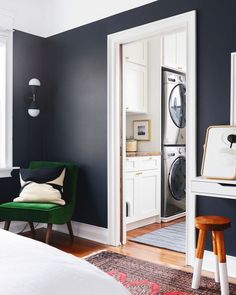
x: 71, y: 178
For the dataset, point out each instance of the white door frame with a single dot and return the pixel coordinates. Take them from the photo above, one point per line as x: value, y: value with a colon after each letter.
x: 114, y: 103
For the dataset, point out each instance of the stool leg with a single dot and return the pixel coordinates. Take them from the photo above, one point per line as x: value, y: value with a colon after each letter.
x: 217, y: 274
x: 220, y: 242
x: 199, y: 256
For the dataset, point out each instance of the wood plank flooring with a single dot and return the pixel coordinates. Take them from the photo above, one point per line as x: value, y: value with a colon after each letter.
x: 82, y: 248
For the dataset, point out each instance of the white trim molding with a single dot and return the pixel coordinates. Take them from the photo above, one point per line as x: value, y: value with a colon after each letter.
x: 81, y: 230
x: 233, y: 90
x: 85, y: 231
x: 6, y: 35
x: 209, y: 263
x: 114, y: 105
x: 5, y: 172
x: 20, y: 226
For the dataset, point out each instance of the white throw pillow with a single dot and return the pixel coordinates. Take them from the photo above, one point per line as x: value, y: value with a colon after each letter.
x: 33, y: 190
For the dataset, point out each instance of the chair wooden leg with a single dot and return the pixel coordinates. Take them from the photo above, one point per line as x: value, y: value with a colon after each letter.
x: 31, y: 224
x: 199, y: 256
x: 217, y: 274
x: 221, y: 250
x: 70, y: 230
x: 7, y: 224
x: 48, y: 233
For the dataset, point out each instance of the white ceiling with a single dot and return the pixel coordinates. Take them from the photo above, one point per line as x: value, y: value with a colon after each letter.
x: 49, y: 17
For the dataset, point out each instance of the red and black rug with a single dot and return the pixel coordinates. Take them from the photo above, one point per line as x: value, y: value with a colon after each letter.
x: 145, y: 278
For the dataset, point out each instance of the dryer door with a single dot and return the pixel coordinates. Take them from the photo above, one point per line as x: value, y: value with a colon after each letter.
x: 177, y: 105
x: 177, y: 179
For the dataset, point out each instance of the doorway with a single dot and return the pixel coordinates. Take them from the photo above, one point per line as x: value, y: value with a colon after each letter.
x: 117, y: 121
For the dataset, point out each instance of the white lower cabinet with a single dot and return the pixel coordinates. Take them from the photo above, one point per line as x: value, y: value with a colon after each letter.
x: 143, y: 193
x: 149, y: 191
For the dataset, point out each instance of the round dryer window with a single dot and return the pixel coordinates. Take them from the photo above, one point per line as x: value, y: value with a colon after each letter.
x: 177, y: 178
x: 177, y: 105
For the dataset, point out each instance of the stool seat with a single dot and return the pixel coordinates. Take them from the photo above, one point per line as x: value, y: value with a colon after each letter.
x: 212, y: 223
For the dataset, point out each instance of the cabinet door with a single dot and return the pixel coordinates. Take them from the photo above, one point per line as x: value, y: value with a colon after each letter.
x: 142, y: 194
x: 130, y: 194
x: 181, y: 50
x: 175, y: 50
x: 136, y: 52
x: 149, y: 193
x: 135, y: 88
x: 169, y: 50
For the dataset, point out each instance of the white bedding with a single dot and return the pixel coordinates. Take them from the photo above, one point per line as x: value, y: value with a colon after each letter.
x: 28, y: 267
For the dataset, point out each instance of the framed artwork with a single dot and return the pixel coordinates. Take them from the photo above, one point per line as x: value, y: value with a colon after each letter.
x: 142, y: 130
x: 219, y: 157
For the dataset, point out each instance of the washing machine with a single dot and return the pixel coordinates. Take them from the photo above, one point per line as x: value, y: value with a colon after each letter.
x: 173, y: 182
x: 174, y: 108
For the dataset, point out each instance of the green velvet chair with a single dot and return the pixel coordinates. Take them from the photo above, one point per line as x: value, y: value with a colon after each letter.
x: 45, y: 212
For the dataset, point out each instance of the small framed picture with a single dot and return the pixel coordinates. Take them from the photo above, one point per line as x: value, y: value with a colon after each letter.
x: 142, y: 130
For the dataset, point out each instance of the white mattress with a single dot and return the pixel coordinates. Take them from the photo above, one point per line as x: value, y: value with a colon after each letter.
x: 29, y: 267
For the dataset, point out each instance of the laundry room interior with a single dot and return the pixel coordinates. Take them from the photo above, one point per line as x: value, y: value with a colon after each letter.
x: 154, y: 119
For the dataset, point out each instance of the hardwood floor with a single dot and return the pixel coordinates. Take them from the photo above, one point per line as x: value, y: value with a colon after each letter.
x: 82, y: 248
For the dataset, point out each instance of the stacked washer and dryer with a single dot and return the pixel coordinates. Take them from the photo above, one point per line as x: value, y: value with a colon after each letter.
x: 173, y: 145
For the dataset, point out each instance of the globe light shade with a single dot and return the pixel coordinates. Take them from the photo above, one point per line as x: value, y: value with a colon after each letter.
x: 34, y: 85
x: 34, y: 82
x: 33, y: 110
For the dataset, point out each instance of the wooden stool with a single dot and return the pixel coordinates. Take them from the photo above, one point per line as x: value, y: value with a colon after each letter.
x: 217, y: 225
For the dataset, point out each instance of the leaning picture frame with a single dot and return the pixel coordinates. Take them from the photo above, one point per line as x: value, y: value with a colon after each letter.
x: 142, y: 130
x: 219, y: 156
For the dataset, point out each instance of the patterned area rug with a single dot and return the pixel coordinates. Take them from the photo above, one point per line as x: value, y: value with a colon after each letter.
x: 145, y: 278
x: 171, y: 237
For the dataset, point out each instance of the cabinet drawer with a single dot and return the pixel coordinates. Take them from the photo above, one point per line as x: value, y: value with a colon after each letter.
x: 213, y: 188
x: 143, y: 163
x: 148, y: 163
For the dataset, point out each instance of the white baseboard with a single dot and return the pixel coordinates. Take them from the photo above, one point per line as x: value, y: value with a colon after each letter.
x: 143, y: 222
x: 20, y: 226
x: 82, y: 230
x: 86, y: 231
x: 209, y: 263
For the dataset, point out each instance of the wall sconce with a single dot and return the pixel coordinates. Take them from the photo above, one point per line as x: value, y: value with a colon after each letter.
x: 33, y: 109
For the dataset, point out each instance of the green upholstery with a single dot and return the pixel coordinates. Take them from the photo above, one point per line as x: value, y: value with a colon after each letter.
x: 45, y: 212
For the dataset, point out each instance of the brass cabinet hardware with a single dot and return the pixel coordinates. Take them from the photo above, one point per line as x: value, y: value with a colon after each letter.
x: 139, y: 173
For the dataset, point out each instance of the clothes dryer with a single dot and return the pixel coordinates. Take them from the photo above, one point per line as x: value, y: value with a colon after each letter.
x: 174, y: 108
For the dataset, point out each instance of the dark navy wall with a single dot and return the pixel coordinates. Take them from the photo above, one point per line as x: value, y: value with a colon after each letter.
x: 29, y: 53
x: 28, y: 133
x: 73, y: 69
x: 78, y: 78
